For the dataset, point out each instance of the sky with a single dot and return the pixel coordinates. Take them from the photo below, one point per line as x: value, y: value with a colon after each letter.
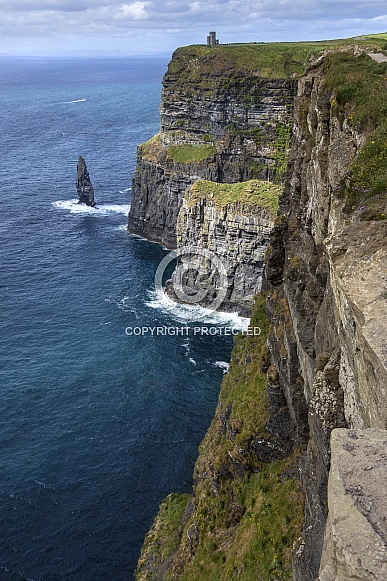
x: 122, y: 27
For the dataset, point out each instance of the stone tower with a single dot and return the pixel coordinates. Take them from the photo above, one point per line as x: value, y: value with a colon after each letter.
x: 212, y: 40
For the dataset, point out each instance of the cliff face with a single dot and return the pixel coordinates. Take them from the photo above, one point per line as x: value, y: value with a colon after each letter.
x: 326, y: 271
x: 247, y: 507
x: 355, y: 538
x: 220, y: 122
x: 321, y: 360
x: 158, y: 188
x: 224, y: 244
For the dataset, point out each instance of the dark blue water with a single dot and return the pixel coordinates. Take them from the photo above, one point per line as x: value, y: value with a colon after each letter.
x: 96, y: 427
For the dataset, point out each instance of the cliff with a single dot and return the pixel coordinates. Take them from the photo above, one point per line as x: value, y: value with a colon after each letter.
x: 320, y: 362
x: 224, y: 230
x: 221, y: 121
x: 326, y: 273
x: 355, y: 538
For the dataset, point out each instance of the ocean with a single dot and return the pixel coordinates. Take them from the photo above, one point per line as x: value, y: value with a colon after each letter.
x: 97, y: 424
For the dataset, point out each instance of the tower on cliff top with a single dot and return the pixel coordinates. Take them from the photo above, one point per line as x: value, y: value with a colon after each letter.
x: 212, y: 40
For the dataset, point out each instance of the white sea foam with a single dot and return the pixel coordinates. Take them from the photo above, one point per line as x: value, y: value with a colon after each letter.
x: 186, y: 348
x: 47, y: 486
x: 73, y: 207
x: 192, y: 361
x: 121, y: 228
x: 146, y: 240
x: 76, y: 101
x: 194, y: 313
x: 124, y: 304
x: 222, y: 365
x: 124, y: 191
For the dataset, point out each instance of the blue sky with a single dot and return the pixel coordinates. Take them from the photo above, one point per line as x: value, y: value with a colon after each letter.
x: 29, y: 27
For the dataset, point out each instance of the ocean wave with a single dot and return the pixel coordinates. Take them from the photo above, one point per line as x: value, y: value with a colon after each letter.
x: 74, y: 207
x: 124, y: 191
x: 125, y: 304
x: 147, y: 241
x: 76, y: 101
x: 195, y: 313
x: 121, y: 228
x: 222, y: 365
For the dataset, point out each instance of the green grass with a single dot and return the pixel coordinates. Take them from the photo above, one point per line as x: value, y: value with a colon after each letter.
x: 164, y: 537
x: 358, y: 86
x: 245, y: 531
x: 248, y: 527
x: 190, y: 153
x: 259, y: 546
x: 273, y: 60
x: 255, y: 192
x: 151, y: 149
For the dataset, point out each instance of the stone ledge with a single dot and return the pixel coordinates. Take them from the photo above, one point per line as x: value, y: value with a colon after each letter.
x: 355, y: 545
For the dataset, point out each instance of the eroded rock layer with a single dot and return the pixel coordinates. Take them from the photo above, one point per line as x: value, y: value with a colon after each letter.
x: 356, y: 532
x: 223, y: 245
x: 326, y: 271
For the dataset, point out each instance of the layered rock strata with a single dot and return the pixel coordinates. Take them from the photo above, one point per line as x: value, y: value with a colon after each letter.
x: 223, y: 245
x: 326, y: 272
x: 219, y: 123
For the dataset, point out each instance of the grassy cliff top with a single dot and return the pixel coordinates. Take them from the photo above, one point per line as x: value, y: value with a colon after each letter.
x: 280, y: 60
x: 357, y: 86
x: 254, y: 192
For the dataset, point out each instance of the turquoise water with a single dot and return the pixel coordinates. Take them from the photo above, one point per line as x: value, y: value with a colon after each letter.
x: 96, y: 427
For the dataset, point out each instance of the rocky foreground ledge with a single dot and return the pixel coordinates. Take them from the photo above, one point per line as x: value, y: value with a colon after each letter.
x: 356, y: 532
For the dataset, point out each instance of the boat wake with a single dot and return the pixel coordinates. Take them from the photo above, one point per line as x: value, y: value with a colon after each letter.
x: 76, y: 101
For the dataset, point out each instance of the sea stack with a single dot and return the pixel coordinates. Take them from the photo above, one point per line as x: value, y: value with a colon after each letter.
x: 85, y: 188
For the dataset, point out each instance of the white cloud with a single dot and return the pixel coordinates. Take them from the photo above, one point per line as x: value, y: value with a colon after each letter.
x: 195, y: 7
x: 134, y: 11
x: 172, y: 23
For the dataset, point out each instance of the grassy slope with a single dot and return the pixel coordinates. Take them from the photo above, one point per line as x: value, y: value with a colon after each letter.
x: 188, y: 153
x: 254, y: 192
x: 272, y: 60
x: 358, y: 85
x: 164, y: 537
x: 246, y: 529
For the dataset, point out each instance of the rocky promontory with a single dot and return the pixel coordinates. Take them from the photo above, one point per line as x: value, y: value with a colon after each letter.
x: 222, y: 120
x: 224, y: 230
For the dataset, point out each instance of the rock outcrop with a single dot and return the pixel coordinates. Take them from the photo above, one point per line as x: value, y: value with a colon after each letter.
x: 356, y: 533
x: 224, y: 244
x: 326, y: 272
x: 85, y: 188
